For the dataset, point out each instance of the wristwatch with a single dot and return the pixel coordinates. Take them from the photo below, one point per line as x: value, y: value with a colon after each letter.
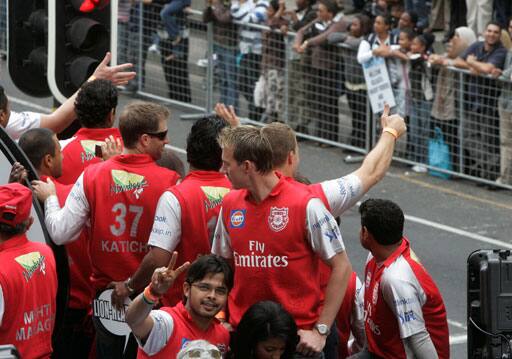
x: 322, y: 329
x: 128, y: 286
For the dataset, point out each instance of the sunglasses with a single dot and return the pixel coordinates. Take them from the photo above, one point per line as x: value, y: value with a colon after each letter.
x: 160, y: 135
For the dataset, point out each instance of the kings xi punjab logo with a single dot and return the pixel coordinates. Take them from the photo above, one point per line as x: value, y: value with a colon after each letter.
x: 278, y: 218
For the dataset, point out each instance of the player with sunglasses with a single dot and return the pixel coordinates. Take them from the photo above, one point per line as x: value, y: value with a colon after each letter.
x: 164, y: 332
x: 119, y: 198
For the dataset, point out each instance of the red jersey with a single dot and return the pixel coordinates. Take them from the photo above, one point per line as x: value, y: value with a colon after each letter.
x: 122, y: 194
x: 199, y: 196
x: 79, y: 151
x: 185, y: 330
x: 269, y: 247
x: 344, y: 315
x: 28, y: 278
x: 400, y: 300
x: 80, y: 269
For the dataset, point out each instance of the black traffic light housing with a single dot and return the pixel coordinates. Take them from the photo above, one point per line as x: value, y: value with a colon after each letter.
x: 27, y: 54
x: 77, y: 42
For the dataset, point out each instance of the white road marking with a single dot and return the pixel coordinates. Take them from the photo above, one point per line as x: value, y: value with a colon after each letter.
x: 176, y: 149
x: 458, y: 339
x: 457, y: 324
x: 30, y: 104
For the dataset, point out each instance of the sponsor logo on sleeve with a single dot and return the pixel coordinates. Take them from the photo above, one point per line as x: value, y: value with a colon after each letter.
x: 278, y: 218
x: 237, y: 218
x: 31, y: 262
x: 407, y: 317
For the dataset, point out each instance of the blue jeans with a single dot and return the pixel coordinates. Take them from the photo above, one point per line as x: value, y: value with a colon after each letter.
x: 226, y: 64
x: 169, y: 16
x: 419, y: 130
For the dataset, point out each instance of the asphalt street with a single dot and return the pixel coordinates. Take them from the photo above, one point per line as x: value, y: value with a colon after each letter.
x: 446, y: 220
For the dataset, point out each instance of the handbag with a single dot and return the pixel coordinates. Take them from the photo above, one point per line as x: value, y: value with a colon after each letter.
x: 439, y: 155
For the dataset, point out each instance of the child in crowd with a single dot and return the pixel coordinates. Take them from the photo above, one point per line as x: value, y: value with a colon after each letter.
x: 272, y: 62
x: 422, y: 95
x: 399, y: 71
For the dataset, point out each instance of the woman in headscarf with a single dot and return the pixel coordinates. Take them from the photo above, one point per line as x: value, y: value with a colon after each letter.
x: 444, y: 108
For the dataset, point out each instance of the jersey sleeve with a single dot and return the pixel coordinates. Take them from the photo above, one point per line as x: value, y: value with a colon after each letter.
x: 163, y: 326
x: 405, y: 297
x: 65, y: 224
x: 20, y: 122
x: 357, y: 319
x: 166, y: 232
x: 221, y: 242
x: 342, y: 193
x: 323, y: 232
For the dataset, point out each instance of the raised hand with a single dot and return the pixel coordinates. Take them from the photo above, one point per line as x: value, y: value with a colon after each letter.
x: 228, y: 114
x: 111, y: 147
x: 394, y: 121
x: 164, y: 277
x: 118, y: 75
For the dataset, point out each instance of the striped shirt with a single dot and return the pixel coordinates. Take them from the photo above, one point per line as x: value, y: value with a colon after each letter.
x: 250, y: 12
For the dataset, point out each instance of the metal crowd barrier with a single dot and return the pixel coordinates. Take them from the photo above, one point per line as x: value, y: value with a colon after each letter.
x: 3, y: 27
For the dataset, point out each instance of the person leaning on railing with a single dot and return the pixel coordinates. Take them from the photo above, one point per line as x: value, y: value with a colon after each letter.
x: 322, y: 87
x: 444, y: 108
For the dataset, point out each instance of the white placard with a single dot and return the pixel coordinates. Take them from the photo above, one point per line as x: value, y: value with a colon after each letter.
x: 378, y: 84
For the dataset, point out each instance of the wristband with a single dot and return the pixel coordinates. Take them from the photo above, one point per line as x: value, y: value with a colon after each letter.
x: 221, y: 316
x: 146, y: 300
x: 148, y: 294
x: 392, y: 131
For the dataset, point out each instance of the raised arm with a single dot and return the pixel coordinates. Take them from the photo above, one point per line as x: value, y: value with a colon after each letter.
x: 63, y: 116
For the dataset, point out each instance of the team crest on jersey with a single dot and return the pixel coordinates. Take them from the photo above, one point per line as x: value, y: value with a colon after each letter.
x: 126, y: 181
x: 237, y: 218
x: 31, y: 262
x: 278, y: 218
x: 375, y: 294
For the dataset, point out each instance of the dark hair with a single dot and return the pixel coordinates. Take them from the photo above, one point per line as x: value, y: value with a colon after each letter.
x: 387, y: 19
x: 495, y: 23
x: 94, y: 101
x: 274, y: 4
x: 409, y: 32
x: 203, y: 149
x: 171, y: 161
x: 262, y: 321
x: 3, y: 99
x: 331, y: 6
x: 10, y: 231
x: 138, y: 118
x: 383, y: 219
x: 414, y: 16
x: 209, y: 264
x: 427, y: 39
x: 37, y: 143
x: 366, y: 24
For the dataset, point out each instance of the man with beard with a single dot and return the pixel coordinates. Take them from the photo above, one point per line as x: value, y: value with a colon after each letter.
x: 162, y: 333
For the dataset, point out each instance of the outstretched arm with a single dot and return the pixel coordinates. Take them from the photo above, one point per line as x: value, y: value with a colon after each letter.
x: 378, y: 160
x: 62, y: 117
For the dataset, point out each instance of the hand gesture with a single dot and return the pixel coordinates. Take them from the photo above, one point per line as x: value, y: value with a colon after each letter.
x: 394, y: 121
x: 311, y: 342
x: 118, y: 75
x: 119, y: 293
x: 112, y: 147
x: 18, y: 173
x: 43, y: 190
x: 164, y: 277
x: 228, y: 114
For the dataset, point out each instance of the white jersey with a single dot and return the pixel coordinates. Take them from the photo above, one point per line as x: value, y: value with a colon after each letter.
x: 20, y: 122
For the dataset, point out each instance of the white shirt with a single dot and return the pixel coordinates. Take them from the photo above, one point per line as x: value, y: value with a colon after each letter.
x: 2, y: 305
x: 20, y: 122
x: 342, y: 193
x: 323, y: 233
x: 65, y: 224
x: 357, y: 319
x: 166, y: 232
x: 163, y: 327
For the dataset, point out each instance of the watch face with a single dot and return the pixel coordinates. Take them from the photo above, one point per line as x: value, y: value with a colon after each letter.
x: 322, y: 329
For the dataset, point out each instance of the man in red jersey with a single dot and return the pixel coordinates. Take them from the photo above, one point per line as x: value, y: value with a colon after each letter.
x: 162, y: 333
x: 119, y: 198
x: 275, y: 232
x: 43, y: 150
x: 405, y: 315
x: 95, y: 107
x: 187, y: 213
x: 28, y: 278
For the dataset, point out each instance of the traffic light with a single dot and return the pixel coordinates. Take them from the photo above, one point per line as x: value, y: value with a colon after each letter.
x: 80, y: 33
x: 27, y: 56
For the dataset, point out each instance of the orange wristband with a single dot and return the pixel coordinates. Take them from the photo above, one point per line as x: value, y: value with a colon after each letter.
x: 148, y: 294
x: 221, y: 315
x: 391, y: 131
